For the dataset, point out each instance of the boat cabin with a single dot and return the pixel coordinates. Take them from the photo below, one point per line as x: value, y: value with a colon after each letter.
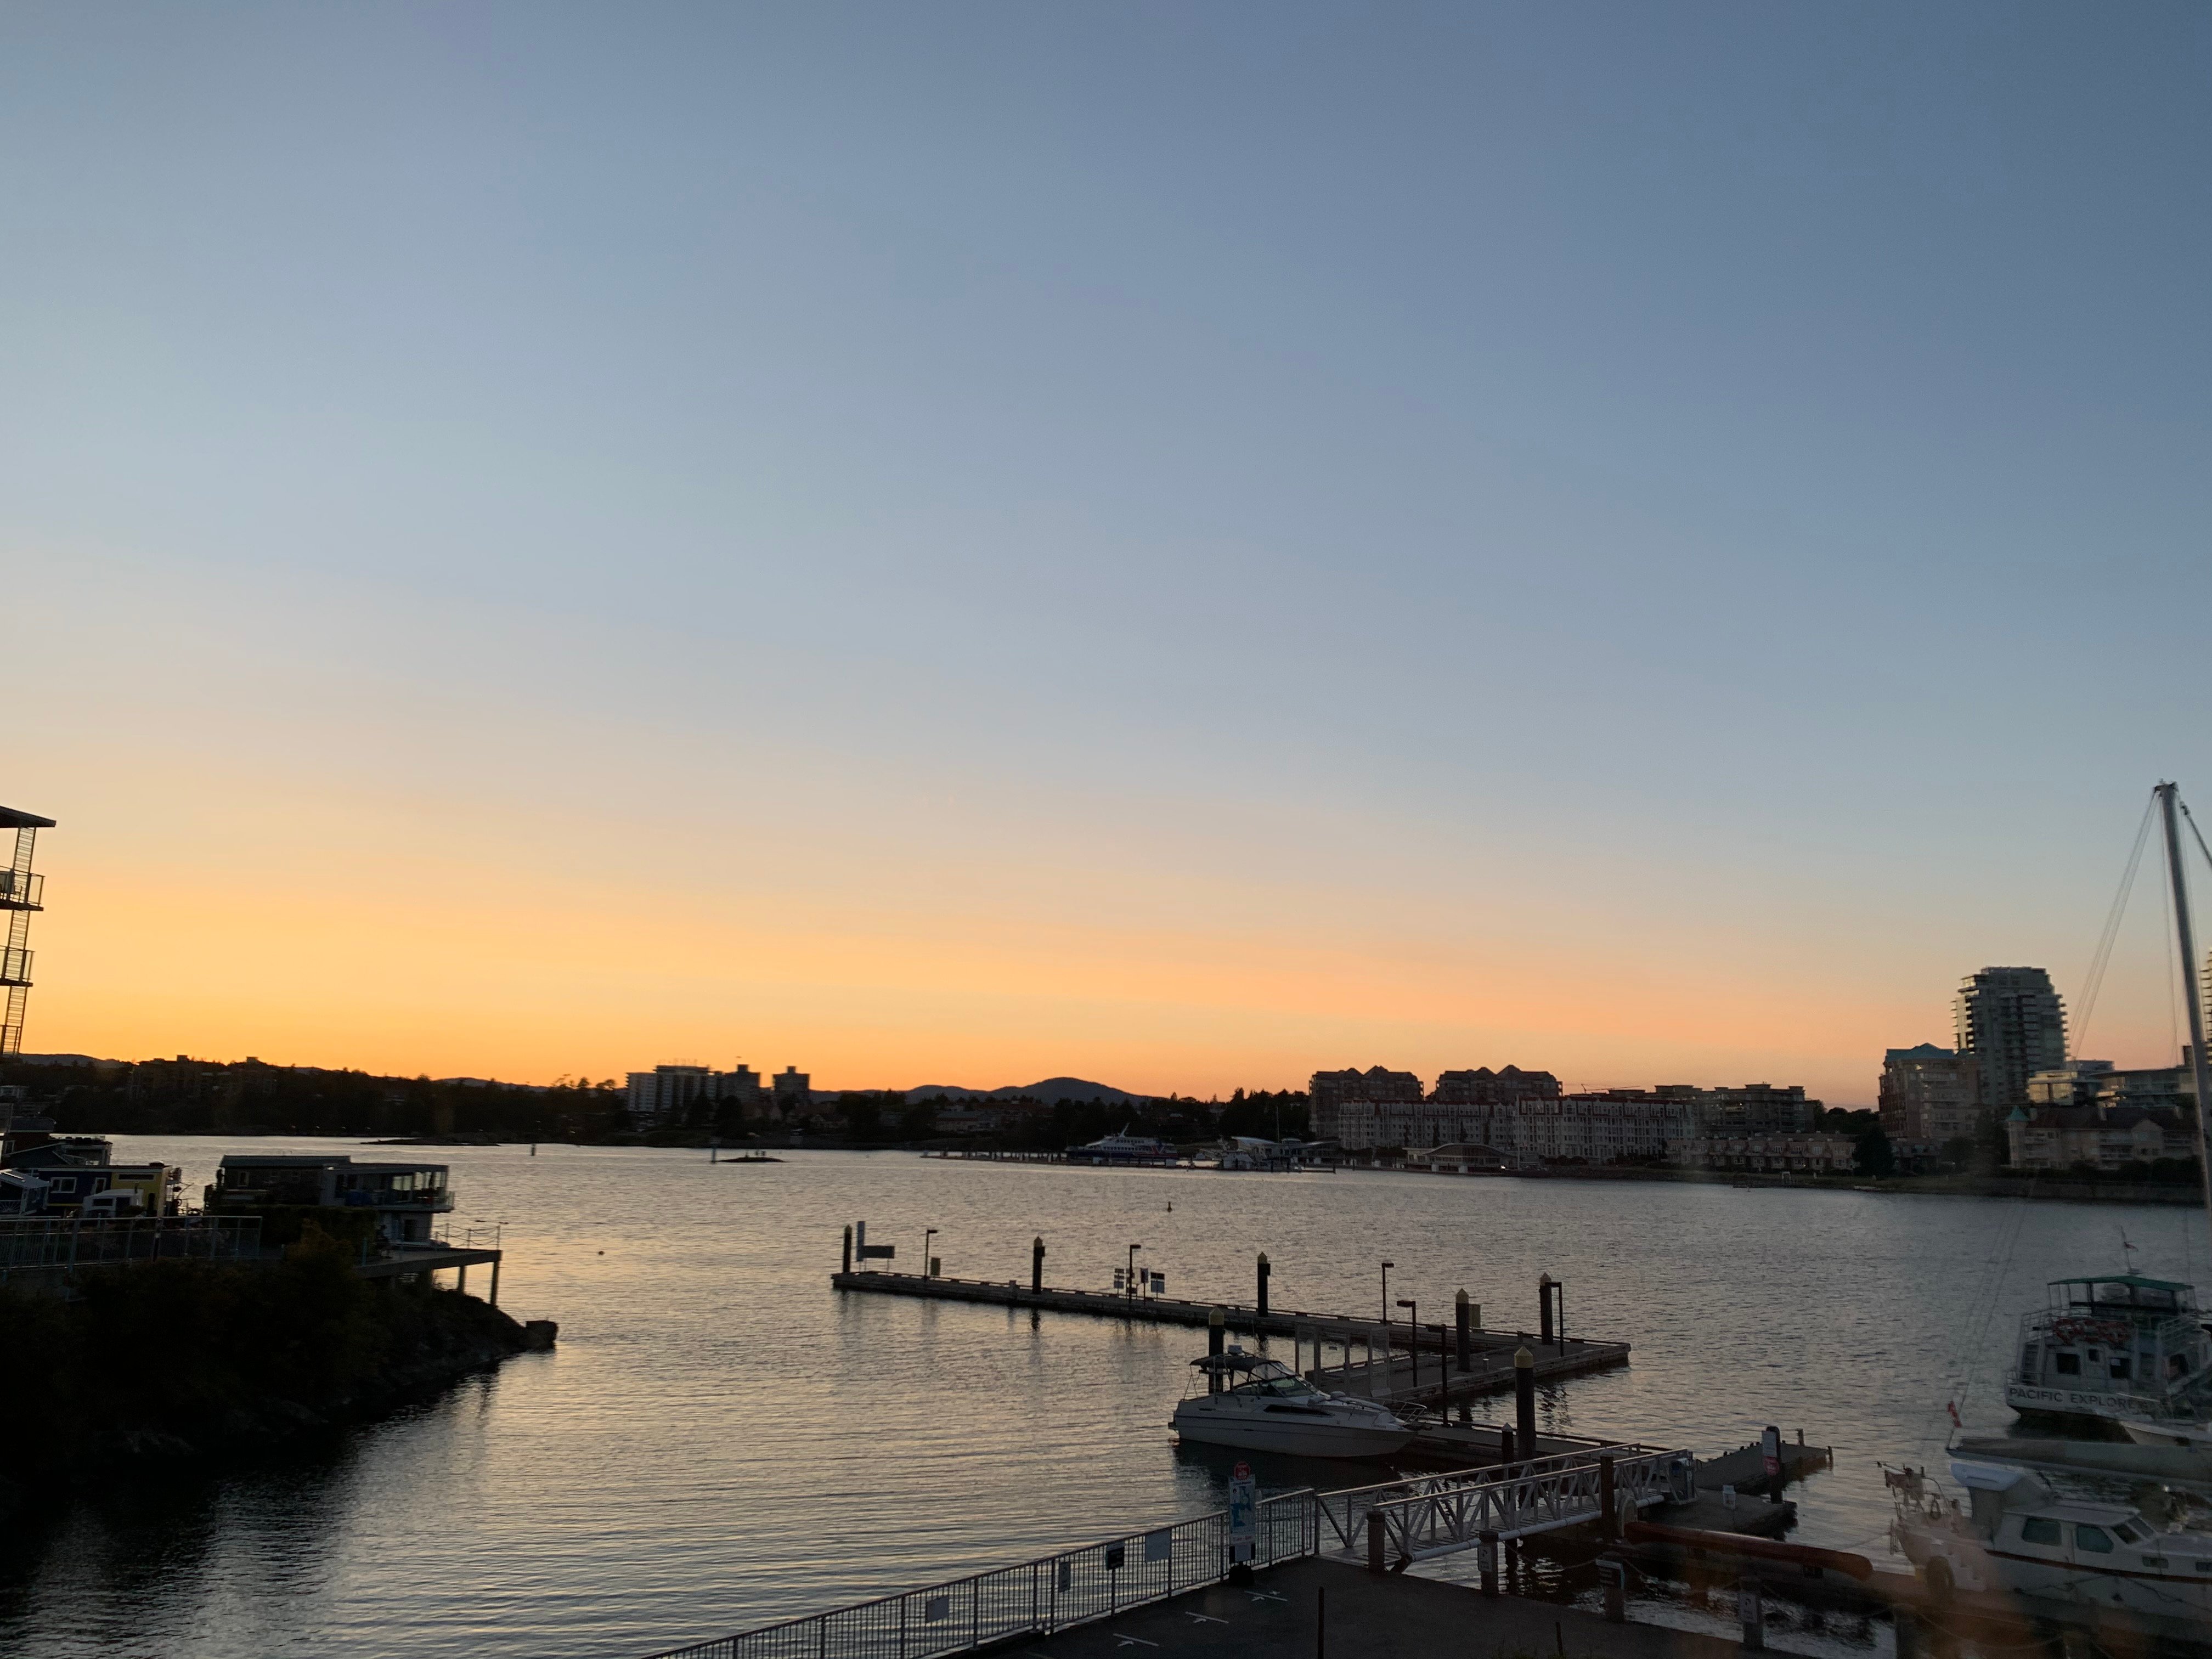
x: 1237, y: 1372
x: 2025, y: 1520
x: 2114, y: 1344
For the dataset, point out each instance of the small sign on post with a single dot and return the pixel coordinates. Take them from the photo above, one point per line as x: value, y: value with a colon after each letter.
x: 1243, y: 1515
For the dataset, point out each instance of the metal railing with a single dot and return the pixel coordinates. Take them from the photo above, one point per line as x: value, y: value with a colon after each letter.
x: 1037, y: 1598
x: 1439, y: 1514
x: 68, y: 1242
x: 15, y: 966
x: 20, y: 890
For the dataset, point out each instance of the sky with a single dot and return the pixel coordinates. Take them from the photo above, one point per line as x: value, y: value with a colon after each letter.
x: 1180, y: 545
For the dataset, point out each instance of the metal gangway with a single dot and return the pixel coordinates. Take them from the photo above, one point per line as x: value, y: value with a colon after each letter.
x: 1434, y: 1515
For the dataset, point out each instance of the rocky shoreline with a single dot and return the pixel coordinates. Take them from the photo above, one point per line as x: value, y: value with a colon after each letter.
x: 164, y: 1366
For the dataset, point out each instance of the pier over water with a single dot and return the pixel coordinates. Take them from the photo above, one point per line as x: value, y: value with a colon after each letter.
x: 1400, y: 1361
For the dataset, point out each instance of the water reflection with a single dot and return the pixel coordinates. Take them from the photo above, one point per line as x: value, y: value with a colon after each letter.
x: 721, y: 1440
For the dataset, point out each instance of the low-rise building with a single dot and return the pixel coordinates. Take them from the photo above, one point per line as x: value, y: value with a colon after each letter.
x: 405, y: 1197
x: 1805, y: 1154
x: 21, y: 1192
x: 2075, y: 1137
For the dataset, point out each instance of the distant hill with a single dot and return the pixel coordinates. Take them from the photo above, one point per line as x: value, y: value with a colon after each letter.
x: 1052, y: 1089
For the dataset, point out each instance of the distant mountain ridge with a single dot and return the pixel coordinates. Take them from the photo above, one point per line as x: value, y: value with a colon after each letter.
x: 1051, y: 1089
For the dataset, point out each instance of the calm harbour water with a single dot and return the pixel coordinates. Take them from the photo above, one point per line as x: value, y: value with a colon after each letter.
x: 722, y: 1440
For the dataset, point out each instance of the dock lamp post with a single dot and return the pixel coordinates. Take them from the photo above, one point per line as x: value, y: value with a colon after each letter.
x: 928, y: 1266
x: 1385, y: 1290
x: 1414, y: 1313
x: 1129, y: 1282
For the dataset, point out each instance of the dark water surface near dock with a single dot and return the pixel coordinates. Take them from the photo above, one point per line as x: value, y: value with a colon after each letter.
x: 722, y: 1440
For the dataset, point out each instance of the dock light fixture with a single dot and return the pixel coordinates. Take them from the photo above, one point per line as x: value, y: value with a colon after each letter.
x: 1414, y: 1313
x: 927, y: 1233
x: 1386, y: 1292
x: 1130, y: 1283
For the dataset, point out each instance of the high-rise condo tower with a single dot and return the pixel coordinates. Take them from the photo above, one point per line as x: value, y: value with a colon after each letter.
x: 2012, y: 1024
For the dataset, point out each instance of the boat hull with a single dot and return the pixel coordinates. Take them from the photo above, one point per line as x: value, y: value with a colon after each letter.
x: 1302, y: 1439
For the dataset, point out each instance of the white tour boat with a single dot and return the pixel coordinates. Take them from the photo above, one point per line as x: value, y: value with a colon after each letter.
x: 2018, y: 1536
x: 1262, y: 1405
x: 1123, y: 1148
x: 2118, y: 1347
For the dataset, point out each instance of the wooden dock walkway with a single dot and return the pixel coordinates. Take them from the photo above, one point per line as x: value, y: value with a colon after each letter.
x: 1420, y: 1364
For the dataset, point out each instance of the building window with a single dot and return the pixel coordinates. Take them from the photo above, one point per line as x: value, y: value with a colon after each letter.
x: 2066, y: 1364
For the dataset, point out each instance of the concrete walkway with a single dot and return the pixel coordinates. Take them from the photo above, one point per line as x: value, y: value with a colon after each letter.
x: 1391, y: 1616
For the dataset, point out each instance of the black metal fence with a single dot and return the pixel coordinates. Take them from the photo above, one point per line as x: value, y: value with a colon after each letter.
x: 51, y: 1242
x: 1036, y: 1598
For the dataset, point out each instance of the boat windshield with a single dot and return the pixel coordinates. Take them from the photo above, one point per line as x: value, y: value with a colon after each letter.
x: 2123, y: 1293
x: 1286, y: 1384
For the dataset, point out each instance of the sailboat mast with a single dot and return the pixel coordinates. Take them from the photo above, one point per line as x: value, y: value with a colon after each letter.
x: 2192, y: 994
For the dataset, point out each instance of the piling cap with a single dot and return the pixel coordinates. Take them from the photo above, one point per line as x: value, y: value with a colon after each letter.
x: 1523, y: 1360
x: 1218, y: 1316
x: 1546, y: 1279
x: 1461, y: 1298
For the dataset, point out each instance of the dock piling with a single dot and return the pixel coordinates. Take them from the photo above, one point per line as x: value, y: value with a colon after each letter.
x: 1466, y: 1343
x: 1036, y: 1266
x: 1264, y: 1271
x: 1751, y: 1611
x: 1544, y: 1306
x: 1608, y: 1507
x: 1374, y: 1553
x: 1217, y: 1331
x: 848, y: 1247
x: 1524, y: 1399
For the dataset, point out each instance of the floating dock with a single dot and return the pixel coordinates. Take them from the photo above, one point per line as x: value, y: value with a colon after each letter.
x: 1404, y: 1362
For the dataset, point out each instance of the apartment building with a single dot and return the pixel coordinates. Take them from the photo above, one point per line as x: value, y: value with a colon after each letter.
x: 1928, y: 1095
x: 667, y: 1095
x: 2013, y: 1023
x: 2068, y: 1137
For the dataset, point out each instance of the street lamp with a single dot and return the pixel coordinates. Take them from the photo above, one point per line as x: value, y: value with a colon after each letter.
x: 1129, y: 1281
x: 927, y: 1233
x: 1414, y: 1313
x: 1386, y: 1296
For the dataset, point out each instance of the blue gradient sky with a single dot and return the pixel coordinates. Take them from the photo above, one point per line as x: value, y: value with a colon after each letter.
x: 1182, y: 545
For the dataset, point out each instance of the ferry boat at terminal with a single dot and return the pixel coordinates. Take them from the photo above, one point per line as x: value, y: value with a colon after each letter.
x: 1124, y: 1148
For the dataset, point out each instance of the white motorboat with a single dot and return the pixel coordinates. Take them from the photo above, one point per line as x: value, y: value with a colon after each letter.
x: 1262, y: 1405
x: 2118, y: 1347
x: 2017, y: 1535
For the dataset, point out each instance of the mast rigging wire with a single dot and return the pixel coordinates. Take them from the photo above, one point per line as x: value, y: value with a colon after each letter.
x: 2102, y: 959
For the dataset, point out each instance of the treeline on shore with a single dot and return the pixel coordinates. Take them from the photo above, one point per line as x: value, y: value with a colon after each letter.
x: 172, y: 1361
x: 195, y: 1096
